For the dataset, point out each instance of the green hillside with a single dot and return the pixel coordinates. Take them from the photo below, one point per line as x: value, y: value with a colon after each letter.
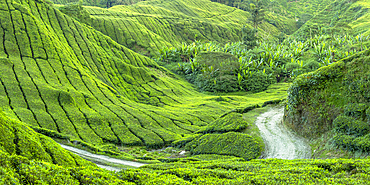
x: 27, y: 157
x: 339, y: 17
x: 61, y: 75
x: 16, y: 138
x: 332, y: 104
x: 85, y: 78
x: 149, y: 26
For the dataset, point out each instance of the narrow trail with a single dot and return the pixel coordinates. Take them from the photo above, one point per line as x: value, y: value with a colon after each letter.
x: 280, y: 142
x: 102, y: 160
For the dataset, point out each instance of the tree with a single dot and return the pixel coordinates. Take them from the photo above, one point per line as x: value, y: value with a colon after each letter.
x: 257, y: 13
x: 249, y: 37
x: 108, y: 3
x: 76, y: 11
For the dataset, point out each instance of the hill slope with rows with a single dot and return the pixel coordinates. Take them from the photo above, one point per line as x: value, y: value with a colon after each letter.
x: 16, y: 138
x: 149, y: 26
x: 339, y: 16
x: 58, y: 74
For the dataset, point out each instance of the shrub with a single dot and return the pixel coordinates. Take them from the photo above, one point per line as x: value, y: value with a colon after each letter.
x: 231, y: 143
x: 368, y: 114
x: 344, y: 141
x: 362, y: 143
x: 350, y: 126
x: 76, y: 11
x: 355, y: 110
x: 291, y: 66
x: 312, y: 65
x: 225, y: 83
x: 231, y: 122
x: 258, y: 82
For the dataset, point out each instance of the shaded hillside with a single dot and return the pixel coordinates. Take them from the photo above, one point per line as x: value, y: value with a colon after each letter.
x: 333, y: 103
x: 27, y: 157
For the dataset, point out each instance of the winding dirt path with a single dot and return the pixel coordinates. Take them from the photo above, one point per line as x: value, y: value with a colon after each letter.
x: 280, y: 142
x: 101, y: 160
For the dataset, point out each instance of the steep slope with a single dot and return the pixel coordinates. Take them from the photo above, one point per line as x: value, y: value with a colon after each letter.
x: 61, y: 75
x: 27, y: 157
x: 16, y: 138
x: 332, y: 105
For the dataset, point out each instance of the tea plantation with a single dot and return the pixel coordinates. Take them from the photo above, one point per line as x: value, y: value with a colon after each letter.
x: 129, y: 80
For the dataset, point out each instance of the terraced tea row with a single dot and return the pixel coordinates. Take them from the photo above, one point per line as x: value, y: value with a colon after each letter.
x: 18, y: 139
x: 147, y: 27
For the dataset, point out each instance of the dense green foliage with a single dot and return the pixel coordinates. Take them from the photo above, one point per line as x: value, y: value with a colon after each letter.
x: 99, y: 3
x: 27, y: 157
x: 243, y: 68
x: 147, y: 26
x: 257, y: 13
x: 18, y: 139
x: 270, y: 171
x: 333, y: 99
x: 76, y: 11
x: 230, y: 122
x: 71, y: 82
x: 80, y: 74
x: 230, y: 143
x: 249, y: 37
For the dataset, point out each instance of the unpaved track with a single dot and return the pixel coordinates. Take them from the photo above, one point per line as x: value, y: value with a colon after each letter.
x: 101, y: 159
x: 280, y: 142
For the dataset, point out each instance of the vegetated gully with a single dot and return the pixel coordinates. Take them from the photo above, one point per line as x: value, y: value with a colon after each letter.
x: 280, y: 143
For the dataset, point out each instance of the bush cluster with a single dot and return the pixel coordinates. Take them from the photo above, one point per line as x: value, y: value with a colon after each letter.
x: 350, y: 126
x: 352, y: 131
x: 230, y: 143
x: 231, y: 122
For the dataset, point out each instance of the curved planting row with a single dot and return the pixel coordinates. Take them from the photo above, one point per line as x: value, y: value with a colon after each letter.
x: 61, y: 75
x: 57, y: 74
x: 147, y: 27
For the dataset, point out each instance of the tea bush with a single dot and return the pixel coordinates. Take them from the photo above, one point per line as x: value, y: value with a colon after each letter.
x: 230, y: 143
x: 350, y: 126
x: 362, y: 143
x: 356, y: 110
x: 231, y: 122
